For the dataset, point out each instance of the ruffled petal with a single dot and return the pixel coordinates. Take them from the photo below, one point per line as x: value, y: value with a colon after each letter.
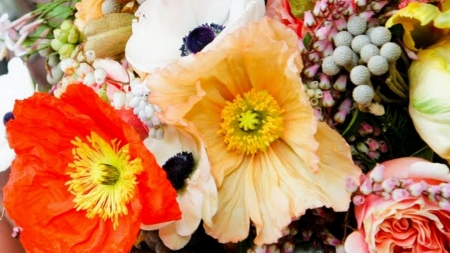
x: 172, y: 239
x: 355, y: 243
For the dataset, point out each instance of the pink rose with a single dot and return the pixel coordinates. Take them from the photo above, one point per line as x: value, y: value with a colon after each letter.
x: 413, y: 216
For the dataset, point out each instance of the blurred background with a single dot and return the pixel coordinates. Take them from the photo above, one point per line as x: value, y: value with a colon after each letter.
x: 15, y: 9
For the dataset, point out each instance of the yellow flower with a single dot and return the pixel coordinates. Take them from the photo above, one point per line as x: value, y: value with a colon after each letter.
x: 270, y: 158
x: 429, y: 107
x: 423, y: 24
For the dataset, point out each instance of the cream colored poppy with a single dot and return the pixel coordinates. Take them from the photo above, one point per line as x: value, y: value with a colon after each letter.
x: 270, y: 158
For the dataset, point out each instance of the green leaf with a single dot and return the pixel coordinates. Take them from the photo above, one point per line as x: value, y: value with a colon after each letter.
x: 425, y: 153
x: 307, y: 39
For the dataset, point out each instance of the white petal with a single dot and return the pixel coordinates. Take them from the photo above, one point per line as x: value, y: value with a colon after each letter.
x: 171, y: 239
x: 17, y: 84
x: 158, y: 35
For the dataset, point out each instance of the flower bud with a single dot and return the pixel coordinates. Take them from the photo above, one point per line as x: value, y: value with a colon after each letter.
x: 377, y: 173
x: 399, y: 194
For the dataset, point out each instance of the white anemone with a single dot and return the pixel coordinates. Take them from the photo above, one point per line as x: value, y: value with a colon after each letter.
x: 161, y: 26
x: 198, y: 199
x: 16, y: 84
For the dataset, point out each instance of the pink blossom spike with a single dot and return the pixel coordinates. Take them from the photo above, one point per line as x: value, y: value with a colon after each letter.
x: 340, y: 24
x: 288, y: 247
x: 416, y: 189
x: 383, y: 147
x: 327, y: 99
x: 319, y: 212
x: 340, y: 116
x: 322, y: 33
x: 377, y: 6
x: 341, y: 83
x: 29, y: 28
x: 18, y: 23
x: 399, y: 194
x: 346, y: 105
x: 314, y: 57
x: 376, y: 187
x: 377, y: 173
x: 366, y: 187
x: 389, y: 184
x: 324, y: 82
x: 374, y: 155
x: 358, y: 200
x: 273, y: 248
x: 365, y: 129
x: 311, y: 71
x: 372, y: 144
x: 308, y: 19
x: 328, y: 50
x: 445, y: 190
x: 433, y: 191
x: 444, y: 204
x: 320, y: 45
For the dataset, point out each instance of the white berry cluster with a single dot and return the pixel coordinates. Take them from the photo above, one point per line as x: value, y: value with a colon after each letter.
x: 336, y: 32
x: 364, y: 51
x: 145, y: 111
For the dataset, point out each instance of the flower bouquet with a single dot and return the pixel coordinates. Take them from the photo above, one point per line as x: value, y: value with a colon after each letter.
x: 227, y: 126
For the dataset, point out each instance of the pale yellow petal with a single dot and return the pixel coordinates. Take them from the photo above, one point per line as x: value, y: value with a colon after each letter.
x: 207, y: 121
x: 171, y: 239
x: 231, y: 222
x: 335, y: 165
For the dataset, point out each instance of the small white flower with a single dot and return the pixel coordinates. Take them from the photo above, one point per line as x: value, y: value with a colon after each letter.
x: 198, y: 199
x: 17, y: 84
x: 161, y: 26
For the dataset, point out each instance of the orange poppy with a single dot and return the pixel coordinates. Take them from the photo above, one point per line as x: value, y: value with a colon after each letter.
x: 82, y: 180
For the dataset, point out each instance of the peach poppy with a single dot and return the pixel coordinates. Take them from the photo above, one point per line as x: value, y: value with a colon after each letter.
x: 270, y: 157
x: 82, y: 179
x: 87, y: 10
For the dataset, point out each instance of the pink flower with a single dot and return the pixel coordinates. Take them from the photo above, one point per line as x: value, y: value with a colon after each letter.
x: 406, y: 224
x: 281, y: 11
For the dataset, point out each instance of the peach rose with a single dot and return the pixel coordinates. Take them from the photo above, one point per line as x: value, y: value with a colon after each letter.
x: 403, y: 207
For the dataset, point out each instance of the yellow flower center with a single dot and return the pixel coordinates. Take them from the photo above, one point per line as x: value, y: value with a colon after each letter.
x: 104, y: 179
x: 252, y: 122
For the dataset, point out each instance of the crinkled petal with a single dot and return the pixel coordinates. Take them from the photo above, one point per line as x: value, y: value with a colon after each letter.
x: 335, y: 165
x: 39, y: 174
x: 355, y: 243
x: 172, y: 239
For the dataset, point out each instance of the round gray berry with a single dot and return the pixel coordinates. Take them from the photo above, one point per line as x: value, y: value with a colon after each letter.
x: 359, y: 41
x: 391, y: 51
x: 368, y: 51
x: 360, y: 75
x: 380, y: 35
x: 356, y: 25
x: 377, y: 65
x: 363, y: 94
x: 343, y: 38
x: 329, y: 67
x: 343, y: 55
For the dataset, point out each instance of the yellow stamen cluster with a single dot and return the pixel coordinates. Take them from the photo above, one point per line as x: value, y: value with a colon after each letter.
x: 104, y: 178
x: 252, y: 122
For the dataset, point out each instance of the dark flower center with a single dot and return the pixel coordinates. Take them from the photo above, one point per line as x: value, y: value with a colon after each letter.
x: 198, y: 38
x: 7, y: 117
x: 178, y: 168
